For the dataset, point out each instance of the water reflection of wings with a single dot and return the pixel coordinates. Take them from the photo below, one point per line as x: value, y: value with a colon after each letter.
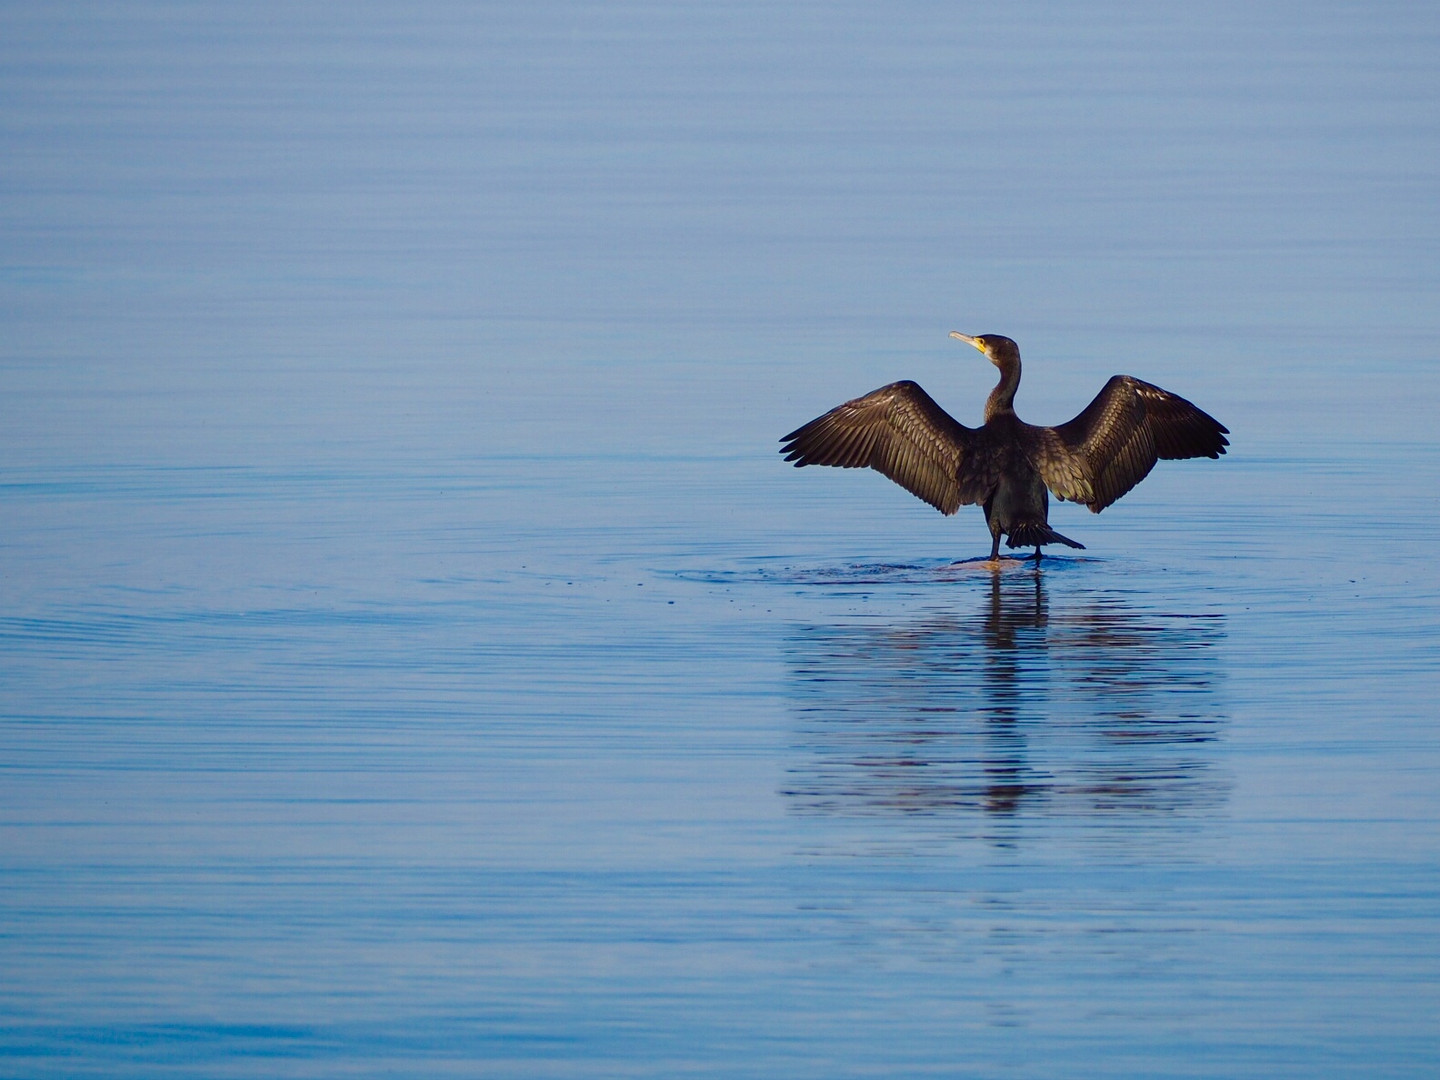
x: 1024, y: 708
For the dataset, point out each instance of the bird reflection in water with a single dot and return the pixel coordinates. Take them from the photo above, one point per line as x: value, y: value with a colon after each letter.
x: 1023, y: 709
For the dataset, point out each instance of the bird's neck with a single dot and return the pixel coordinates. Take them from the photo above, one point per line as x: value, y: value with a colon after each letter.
x: 1002, y: 398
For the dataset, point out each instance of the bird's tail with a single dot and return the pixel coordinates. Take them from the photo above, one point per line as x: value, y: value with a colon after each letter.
x: 1035, y: 534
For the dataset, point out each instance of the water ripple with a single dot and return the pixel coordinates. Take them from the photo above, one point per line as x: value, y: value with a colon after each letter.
x: 1020, y: 708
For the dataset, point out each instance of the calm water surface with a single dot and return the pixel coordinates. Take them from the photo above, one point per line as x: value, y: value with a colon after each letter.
x: 415, y: 659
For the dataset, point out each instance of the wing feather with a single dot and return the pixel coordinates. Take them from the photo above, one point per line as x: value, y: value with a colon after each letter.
x: 901, y: 432
x: 1114, y: 443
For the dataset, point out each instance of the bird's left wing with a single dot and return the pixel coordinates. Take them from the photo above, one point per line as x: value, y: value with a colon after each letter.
x: 900, y: 431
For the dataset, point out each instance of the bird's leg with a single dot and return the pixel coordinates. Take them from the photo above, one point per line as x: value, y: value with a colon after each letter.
x: 995, y: 548
x: 1037, y: 554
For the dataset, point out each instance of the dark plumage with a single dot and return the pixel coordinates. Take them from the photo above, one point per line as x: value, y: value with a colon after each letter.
x: 1007, y: 465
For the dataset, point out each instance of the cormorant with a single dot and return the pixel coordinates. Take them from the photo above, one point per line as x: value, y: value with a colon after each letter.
x: 1006, y: 465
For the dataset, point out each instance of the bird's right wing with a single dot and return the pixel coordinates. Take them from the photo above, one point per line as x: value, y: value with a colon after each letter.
x: 1111, y: 446
x: 898, y: 430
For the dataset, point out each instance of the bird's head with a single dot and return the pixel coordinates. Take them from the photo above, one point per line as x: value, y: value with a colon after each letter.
x: 997, y: 349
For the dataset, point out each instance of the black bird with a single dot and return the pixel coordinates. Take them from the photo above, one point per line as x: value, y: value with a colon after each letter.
x: 1006, y: 465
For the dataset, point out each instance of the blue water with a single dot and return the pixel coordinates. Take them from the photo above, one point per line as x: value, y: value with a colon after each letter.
x: 416, y: 660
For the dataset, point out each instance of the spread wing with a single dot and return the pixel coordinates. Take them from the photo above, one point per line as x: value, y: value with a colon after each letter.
x: 1113, y: 445
x: 900, y: 431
